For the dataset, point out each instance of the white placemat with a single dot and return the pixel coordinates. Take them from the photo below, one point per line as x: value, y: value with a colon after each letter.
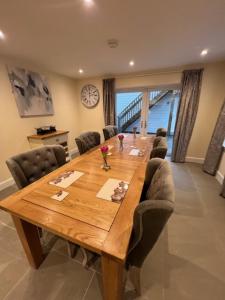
x: 60, y: 197
x: 134, y: 152
x: 108, y: 188
x: 110, y: 147
x: 67, y: 181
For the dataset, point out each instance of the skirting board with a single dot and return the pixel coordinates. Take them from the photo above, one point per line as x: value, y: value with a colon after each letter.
x: 198, y: 160
x: 219, y: 177
x: 73, y: 151
x: 6, y: 183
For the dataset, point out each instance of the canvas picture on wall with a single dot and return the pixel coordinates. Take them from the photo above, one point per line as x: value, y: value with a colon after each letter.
x: 31, y: 92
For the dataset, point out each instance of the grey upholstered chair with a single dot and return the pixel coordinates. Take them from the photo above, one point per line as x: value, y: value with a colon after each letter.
x: 109, y: 132
x: 150, y: 216
x: 87, y: 140
x: 161, y: 132
x: 159, y: 147
x: 30, y: 166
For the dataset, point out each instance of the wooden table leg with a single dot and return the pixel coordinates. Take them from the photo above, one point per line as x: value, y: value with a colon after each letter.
x: 28, y: 234
x: 112, y: 276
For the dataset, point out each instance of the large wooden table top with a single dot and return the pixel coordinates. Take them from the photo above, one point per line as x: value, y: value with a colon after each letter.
x: 96, y: 224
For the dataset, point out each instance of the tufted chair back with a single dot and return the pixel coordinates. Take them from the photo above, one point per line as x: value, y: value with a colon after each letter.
x: 87, y: 140
x: 109, y: 132
x: 32, y: 165
x: 153, y: 212
x: 161, y: 132
x: 159, y: 147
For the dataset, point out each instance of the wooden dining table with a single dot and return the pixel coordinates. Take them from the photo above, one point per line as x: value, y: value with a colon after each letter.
x: 98, y: 225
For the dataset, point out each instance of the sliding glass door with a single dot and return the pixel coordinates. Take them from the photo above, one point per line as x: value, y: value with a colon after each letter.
x: 130, y: 111
x: 162, y: 112
x: 148, y: 110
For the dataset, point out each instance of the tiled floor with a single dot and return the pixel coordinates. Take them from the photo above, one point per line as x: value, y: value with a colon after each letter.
x: 187, y: 263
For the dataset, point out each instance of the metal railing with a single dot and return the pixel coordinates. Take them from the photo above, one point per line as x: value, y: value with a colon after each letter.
x: 127, y: 116
x: 133, y: 111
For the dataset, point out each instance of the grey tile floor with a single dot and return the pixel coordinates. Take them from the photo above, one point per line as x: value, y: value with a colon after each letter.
x: 187, y: 263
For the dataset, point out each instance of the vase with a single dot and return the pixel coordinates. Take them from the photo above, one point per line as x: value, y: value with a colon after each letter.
x: 134, y: 131
x: 106, y: 166
x: 121, y: 145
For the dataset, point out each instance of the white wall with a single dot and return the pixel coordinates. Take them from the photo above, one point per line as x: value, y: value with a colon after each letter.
x: 211, y: 99
x: 154, y: 80
x: 91, y: 119
x: 14, y: 129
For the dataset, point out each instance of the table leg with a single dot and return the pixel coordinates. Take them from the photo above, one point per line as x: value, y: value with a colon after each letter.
x: 28, y: 234
x: 112, y: 275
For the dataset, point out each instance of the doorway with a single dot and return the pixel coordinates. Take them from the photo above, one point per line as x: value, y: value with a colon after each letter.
x: 148, y: 110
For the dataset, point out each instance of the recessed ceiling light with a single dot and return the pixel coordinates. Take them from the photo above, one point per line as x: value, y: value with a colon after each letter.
x: 89, y: 2
x: 81, y: 71
x: 2, y: 36
x: 131, y: 63
x: 204, y: 52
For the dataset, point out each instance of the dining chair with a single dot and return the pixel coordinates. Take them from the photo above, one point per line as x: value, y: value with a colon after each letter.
x: 109, y: 132
x: 30, y: 166
x: 159, y: 148
x: 161, y: 132
x: 87, y: 141
x: 150, y: 216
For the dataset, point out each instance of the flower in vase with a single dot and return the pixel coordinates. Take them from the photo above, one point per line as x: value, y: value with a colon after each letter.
x: 104, y: 150
x: 120, y: 137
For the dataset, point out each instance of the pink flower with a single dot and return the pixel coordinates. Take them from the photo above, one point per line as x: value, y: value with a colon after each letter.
x: 120, y: 137
x: 104, y: 149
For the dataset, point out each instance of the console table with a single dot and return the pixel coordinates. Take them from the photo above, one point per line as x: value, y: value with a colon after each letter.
x: 58, y: 137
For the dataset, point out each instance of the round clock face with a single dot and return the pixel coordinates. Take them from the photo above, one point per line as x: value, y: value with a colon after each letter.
x: 89, y: 95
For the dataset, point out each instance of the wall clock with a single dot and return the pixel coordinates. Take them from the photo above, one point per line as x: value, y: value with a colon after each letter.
x: 89, y: 96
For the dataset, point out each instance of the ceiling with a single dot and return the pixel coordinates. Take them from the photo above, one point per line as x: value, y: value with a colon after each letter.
x: 65, y: 35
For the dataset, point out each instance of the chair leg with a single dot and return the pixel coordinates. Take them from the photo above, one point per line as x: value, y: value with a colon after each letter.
x: 85, y: 257
x: 134, y: 273
x: 88, y: 262
x: 40, y: 232
x: 72, y: 249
